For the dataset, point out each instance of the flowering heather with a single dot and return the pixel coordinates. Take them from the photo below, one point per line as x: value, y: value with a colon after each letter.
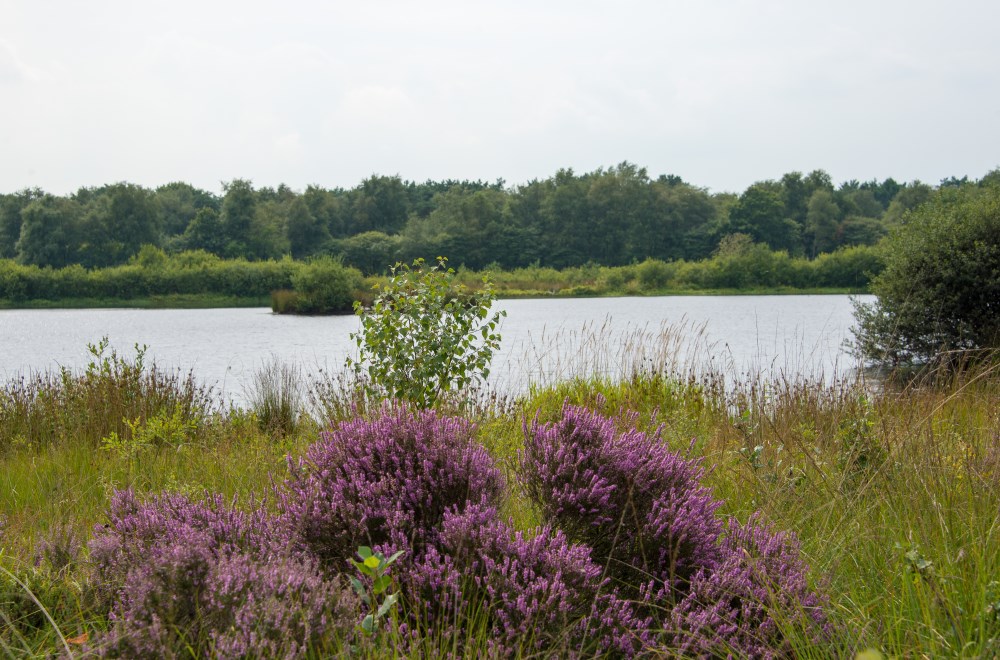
x: 184, y: 574
x: 744, y: 604
x: 386, y: 483
x: 537, y: 593
x: 640, y: 506
x: 278, y: 608
x: 136, y: 526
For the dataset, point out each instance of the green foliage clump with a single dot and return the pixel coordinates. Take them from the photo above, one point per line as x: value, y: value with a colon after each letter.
x: 325, y: 286
x: 425, y: 335
x: 940, y: 290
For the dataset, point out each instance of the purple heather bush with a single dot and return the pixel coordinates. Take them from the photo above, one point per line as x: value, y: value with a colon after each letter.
x: 534, y: 593
x: 135, y: 527
x: 386, y: 483
x: 713, y: 591
x: 638, y: 505
x: 185, y: 574
x: 745, y: 604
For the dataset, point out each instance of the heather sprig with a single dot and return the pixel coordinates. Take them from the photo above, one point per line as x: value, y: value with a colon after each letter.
x: 135, y: 527
x: 179, y: 573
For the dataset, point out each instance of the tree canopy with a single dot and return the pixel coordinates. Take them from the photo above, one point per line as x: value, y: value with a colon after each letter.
x: 611, y: 216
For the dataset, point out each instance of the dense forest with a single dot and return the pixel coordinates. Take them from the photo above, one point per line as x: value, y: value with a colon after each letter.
x: 611, y: 217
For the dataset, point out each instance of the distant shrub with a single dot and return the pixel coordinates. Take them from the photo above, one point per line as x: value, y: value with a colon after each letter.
x: 654, y: 274
x: 386, y: 483
x: 324, y: 286
x: 637, y: 504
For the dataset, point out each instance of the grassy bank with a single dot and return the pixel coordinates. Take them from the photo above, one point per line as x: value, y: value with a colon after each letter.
x: 169, y: 301
x: 893, y: 492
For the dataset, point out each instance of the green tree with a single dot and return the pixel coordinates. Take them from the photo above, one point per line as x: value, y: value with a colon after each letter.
x: 49, y: 232
x: 380, y: 204
x: 178, y: 203
x: 425, y: 335
x: 238, y: 209
x: 307, y: 234
x: 10, y: 219
x: 205, y: 233
x: 822, y: 223
x: 329, y: 208
x: 907, y: 199
x: 371, y: 251
x: 267, y: 238
x: 565, y: 215
x: 940, y: 288
x: 760, y: 213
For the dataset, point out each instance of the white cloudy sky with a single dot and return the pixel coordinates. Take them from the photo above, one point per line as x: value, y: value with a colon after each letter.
x: 722, y: 93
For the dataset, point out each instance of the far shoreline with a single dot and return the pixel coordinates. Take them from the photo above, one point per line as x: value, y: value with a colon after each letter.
x: 208, y: 301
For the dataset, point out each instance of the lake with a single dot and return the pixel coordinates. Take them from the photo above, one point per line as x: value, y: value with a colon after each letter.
x: 544, y: 340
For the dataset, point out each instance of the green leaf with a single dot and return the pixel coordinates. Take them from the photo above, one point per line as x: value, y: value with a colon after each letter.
x: 381, y: 583
x: 389, y: 601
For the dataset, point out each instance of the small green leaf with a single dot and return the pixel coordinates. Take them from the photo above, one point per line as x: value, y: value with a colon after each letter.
x: 389, y: 601
x: 381, y: 583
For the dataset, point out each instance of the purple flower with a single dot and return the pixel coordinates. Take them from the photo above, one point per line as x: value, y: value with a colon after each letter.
x: 639, y: 506
x: 385, y: 483
x: 744, y: 605
x: 535, y: 593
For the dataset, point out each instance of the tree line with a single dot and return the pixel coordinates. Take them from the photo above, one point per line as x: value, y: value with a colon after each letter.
x: 611, y: 216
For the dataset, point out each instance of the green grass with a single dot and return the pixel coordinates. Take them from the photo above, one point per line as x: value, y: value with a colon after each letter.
x: 172, y: 301
x: 893, y: 491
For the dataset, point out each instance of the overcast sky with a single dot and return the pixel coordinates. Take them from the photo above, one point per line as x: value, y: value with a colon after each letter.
x: 721, y: 93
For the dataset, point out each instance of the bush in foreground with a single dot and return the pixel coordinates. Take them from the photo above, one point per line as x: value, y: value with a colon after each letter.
x: 632, y: 559
x: 386, y: 483
x: 177, y: 573
x: 652, y: 526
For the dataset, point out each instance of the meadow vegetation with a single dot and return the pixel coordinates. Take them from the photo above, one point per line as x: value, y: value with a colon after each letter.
x: 138, y: 513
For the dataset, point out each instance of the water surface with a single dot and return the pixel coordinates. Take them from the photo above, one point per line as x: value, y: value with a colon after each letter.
x: 543, y: 339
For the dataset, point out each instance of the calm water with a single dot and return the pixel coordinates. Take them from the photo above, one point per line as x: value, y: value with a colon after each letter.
x: 543, y: 340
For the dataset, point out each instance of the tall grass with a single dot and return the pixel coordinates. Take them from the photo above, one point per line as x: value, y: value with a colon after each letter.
x: 893, y: 488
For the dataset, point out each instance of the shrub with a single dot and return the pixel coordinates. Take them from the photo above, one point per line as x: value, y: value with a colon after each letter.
x: 941, y: 283
x: 425, y: 335
x: 179, y: 574
x: 113, y: 395
x: 654, y: 274
x: 637, y: 504
x: 746, y: 604
x: 385, y: 483
x: 136, y: 526
x: 324, y: 286
x: 536, y: 593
